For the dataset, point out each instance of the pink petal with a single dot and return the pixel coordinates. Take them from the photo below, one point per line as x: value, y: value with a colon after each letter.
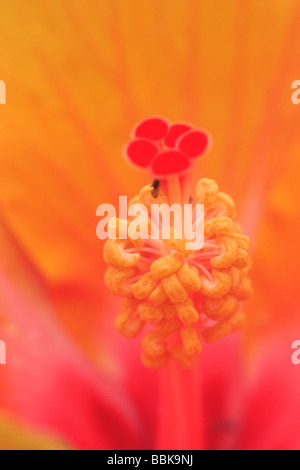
x: 271, y: 410
x: 46, y: 382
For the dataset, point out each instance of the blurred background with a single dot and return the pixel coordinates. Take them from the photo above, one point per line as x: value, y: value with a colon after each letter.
x: 79, y: 75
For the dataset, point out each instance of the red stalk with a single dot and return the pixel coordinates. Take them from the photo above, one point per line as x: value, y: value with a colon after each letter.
x: 180, y: 413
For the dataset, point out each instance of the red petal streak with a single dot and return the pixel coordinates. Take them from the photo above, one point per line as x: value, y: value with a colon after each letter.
x: 46, y: 382
x: 152, y: 128
x: 193, y: 143
x: 271, y: 412
x: 141, y: 152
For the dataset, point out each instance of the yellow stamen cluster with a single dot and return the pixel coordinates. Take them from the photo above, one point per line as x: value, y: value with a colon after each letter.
x: 179, y: 296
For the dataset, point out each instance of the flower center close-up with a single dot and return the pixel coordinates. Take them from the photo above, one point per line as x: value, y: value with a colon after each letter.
x: 176, y: 297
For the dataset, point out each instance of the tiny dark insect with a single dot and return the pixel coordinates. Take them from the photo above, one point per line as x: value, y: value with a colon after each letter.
x: 155, y: 188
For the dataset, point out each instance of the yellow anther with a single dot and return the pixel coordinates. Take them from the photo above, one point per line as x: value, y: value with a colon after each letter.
x: 138, y: 229
x: 216, y: 332
x: 115, y: 255
x: 138, y: 243
x: 218, y: 226
x: 174, y: 290
x: 229, y: 253
x: 154, y: 362
x: 150, y: 313
x: 145, y: 196
x: 220, y: 309
x: 178, y: 244
x: 165, y: 266
x: 159, y: 194
x: 242, y: 259
x: 238, y: 321
x: 117, y: 228
x: 206, y: 191
x: 236, y: 275
x: 178, y: 354
x: 223, y: 328
x: 242, y: 241
x: 128, y: 322
x: 246, y: 270
x: 143, y: 287
x: 134, y: 200
x: 245, y: 290
x: 189, y: 278
x: 226, y: 205
x: 154, y: 344
x: 158, y: 295
x: 168, y: 327
x: 160, y: 280
x: 169, y: 311
x: 219, y: 287
x: 187, y: 312
x: 117, y: 281
x: 190, y: 341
